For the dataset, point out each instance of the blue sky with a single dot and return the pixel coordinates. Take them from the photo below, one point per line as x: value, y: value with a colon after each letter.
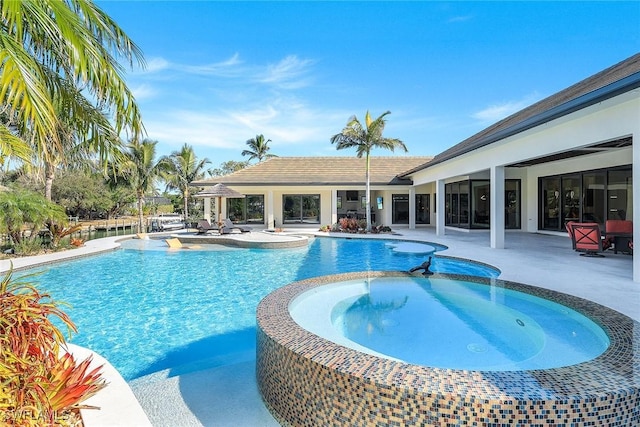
x: 219, y: 73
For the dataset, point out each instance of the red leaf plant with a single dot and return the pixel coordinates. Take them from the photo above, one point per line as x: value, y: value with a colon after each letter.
x: 40, y: 382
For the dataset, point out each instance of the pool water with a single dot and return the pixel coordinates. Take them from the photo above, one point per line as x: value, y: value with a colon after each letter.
x: 148, y: 309
x: 457, y: 324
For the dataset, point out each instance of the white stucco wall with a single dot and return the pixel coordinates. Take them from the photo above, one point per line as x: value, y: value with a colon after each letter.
x: 273, y: 196
x: 615, y: 118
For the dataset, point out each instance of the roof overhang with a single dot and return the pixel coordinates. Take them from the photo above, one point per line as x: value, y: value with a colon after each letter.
x: 583, y: 151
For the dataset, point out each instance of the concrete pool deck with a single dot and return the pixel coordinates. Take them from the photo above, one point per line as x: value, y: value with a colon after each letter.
x: 228, y: 395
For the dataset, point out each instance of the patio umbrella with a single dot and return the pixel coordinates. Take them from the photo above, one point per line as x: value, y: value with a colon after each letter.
x: 219, y: 191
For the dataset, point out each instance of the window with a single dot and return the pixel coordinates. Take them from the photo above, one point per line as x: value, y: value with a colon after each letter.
x: 352, y: 196
x: 550, y: 203
x: 468, y: 204
x: 463, y: 204
x: 423, y: 214
x: 589, y: 196
x: 301, y: 208
x: 480, y: 204
x: 400, y: 209
x: 512, y: 204
x: 593, y: 197
x: 248, y: 210
x: 619, y: 195
x: 570, y: 198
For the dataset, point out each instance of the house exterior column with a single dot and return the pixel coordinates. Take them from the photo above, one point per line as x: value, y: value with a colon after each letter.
x: 207, y: 208
x: 271, y: 221
x: 496, y: 221
x: 334, y: 206
x: 440, y: 199
x: 222, y: 208
x: 412, y: 208
x: 635, y: 172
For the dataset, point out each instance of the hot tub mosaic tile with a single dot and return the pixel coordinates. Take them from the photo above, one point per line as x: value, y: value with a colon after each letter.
x: 306, y: 380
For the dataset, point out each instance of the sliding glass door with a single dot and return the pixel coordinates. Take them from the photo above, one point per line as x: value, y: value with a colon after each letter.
x: 301, y: 208
x: 590, y: 196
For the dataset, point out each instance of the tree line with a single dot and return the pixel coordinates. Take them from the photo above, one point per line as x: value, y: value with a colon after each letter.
x: 88, y: 191
x: 64, y: 104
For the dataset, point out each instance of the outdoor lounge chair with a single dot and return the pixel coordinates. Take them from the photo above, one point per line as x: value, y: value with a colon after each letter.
x: 569, y: 228
x: 204, y: 227
x: 618, y: 233
x: 228, y: 224
x: 587, y: 238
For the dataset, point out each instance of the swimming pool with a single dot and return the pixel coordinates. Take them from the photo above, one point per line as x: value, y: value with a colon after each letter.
x: 449, y: 323
x: 148, y: 309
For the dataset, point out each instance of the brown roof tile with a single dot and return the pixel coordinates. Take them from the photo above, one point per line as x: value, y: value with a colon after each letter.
x: 321, y: 171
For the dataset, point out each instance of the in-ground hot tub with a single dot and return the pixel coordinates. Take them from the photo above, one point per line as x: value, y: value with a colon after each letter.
x: 306, y: 379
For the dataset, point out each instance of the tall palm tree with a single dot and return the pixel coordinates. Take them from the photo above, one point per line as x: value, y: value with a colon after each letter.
x: 364, y: 139
x: 80, y: 136
x: 140, y: 169
x: 183, y: 167
x: 258, y: 149
x: 49, y: 51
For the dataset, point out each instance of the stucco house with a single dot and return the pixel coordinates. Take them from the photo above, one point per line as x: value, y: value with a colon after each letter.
x: 567, y: 157
x: 315, y: 191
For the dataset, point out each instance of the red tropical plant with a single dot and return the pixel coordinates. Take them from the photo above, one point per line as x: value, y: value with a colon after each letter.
x: 77, y: 242
x: 349, y: 224
x: 40, y: 382
x: 59, y: 230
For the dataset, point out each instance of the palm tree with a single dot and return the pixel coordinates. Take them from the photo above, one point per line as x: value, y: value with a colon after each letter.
x: 228, y: 167
x: 21, y: 207
x: 50, y: 51
x: 183, y: 167
x: 141, y: 171
x: 258, y: 149
x: 80, y: 136
x: 364, y: 139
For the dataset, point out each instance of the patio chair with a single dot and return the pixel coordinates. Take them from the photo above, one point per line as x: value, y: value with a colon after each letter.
x: 569, y: 228
x: 587, y: 238
x: 228, y: 224
x: 618, y: 233
x: 204, y: 227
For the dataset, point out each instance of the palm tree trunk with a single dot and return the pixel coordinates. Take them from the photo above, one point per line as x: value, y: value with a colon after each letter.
x: 140, y: 217
x: 49, y: 175
x: 185, y: 195
x: 368, y: 198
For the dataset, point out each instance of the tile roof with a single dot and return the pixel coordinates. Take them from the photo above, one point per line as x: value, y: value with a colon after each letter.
x: 321, y: 171
x: 580, y: 95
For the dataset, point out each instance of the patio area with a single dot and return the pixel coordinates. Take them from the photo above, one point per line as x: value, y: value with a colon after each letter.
x: 228, y: 395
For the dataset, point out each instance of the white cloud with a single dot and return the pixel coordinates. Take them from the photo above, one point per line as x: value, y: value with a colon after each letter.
x: 460, y: 19
x: 221, y: 68
x: 496, y: 112
x: 226, y: 68
x: 288, y: 73
x: 287, y: 125
x: 157, y: 64
x: 143, y: 91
